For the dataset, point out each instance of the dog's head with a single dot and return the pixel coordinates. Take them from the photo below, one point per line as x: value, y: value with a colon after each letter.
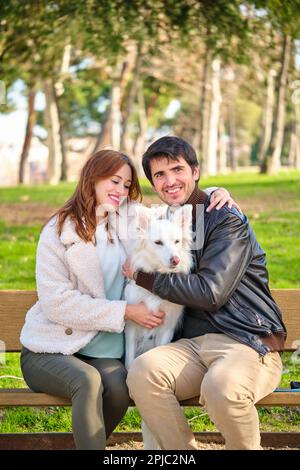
x: 163, y: 240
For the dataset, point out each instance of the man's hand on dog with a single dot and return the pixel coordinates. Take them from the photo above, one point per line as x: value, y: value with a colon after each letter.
x: 127, y: 269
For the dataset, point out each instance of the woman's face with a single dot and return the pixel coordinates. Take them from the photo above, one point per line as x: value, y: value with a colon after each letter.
x: 111, y: 192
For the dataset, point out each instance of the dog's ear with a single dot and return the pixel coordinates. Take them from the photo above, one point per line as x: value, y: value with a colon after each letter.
x: 142, y: 218
x: 160, y: 211
x: 182, y: 216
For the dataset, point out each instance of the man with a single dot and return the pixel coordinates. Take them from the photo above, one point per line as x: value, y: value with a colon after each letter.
x: 232, y: 329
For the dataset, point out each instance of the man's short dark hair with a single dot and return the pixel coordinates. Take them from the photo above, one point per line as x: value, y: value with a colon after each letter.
x: 170, y: 147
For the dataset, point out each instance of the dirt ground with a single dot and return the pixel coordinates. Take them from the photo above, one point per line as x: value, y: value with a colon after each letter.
x: 133, y: 445
x: 26, y: 213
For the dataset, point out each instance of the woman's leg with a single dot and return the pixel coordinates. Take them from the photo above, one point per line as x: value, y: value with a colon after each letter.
x: 115, y: 391
x: 68, y: 376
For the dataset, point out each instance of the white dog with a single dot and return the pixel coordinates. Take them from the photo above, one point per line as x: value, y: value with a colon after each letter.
x: 162, y: 245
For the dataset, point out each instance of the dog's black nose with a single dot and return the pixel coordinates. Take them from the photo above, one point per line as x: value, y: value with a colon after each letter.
x: 175, y: 260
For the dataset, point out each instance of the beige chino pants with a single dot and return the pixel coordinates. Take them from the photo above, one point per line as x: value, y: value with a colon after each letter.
x: 230, y: 378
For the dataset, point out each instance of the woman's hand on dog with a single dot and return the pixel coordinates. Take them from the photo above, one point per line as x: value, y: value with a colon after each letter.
x: 141, y: 315
x: 219, y: 198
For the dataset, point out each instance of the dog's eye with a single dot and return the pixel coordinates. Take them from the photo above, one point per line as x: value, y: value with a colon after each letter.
x: 177, y: 241
x: 158, y: 242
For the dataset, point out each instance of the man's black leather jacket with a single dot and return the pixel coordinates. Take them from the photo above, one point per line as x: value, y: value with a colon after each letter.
x: 228, y: 284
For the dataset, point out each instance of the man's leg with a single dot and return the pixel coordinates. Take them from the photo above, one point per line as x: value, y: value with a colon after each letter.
x: 237, y: 378
x: 157, y: 380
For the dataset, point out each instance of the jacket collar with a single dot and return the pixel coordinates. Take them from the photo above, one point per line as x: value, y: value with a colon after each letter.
x: 69, y: 235
x: 197, y: 197
x: 83, y: 260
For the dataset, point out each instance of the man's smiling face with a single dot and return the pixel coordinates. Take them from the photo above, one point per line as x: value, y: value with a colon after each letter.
x: 173, y: 180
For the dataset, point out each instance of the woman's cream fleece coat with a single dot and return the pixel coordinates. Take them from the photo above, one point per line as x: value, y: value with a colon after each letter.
x: 71, y: 307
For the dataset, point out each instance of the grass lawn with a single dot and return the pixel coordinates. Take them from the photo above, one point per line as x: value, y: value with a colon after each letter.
x: 273, y: 207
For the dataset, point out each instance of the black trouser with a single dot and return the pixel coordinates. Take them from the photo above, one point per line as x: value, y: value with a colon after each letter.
x: 96, y: 386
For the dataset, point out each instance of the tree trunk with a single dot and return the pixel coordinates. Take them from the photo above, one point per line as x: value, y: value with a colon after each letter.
x: 2, y: 92
x: 64, y: 167
x: 139, y: 145
x: 132, y: 94
x: 215, y: 106
x: 297, y: 137
x: 110, y: 134
x: 272, y: 162
x: 292, y: 150
x: 196, y: 142
x: 59, y: 90
x: 116, y: 116
x: 222, y: 161
x: 268, y: 116
x: 232, y: 139
x: 53, y: 128
x: 204, y: 112
x: 104, y: 136
x: 31, y: 119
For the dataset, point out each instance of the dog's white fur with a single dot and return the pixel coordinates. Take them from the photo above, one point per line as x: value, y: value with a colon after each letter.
x: 159, y: 241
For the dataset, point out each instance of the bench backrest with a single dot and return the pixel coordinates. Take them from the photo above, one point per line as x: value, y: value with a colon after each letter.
x: 14, y: 305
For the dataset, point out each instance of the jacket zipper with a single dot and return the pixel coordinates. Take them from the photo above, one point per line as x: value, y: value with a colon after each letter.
x: 260, y: 323
x: 258, y: 319
x: 247, y: 343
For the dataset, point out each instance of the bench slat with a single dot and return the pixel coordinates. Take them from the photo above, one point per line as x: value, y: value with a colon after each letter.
x: 14, y: 305
x: 289, y: 303
x: 25, y: 397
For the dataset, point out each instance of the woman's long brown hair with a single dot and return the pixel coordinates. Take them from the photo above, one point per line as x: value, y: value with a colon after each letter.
x: 81, y: 207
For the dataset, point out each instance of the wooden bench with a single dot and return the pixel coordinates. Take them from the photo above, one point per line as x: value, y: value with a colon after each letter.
x: 15, y: 304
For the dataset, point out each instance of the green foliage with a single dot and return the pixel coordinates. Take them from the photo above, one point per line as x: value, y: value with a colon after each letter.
x: 158, y: 95
x: 229, y: 36
x: 33, y: 34
x: 83, y: 102
x: 284, y: 15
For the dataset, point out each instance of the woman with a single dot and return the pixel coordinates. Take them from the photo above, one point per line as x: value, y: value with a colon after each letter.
x: 73, y: 339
